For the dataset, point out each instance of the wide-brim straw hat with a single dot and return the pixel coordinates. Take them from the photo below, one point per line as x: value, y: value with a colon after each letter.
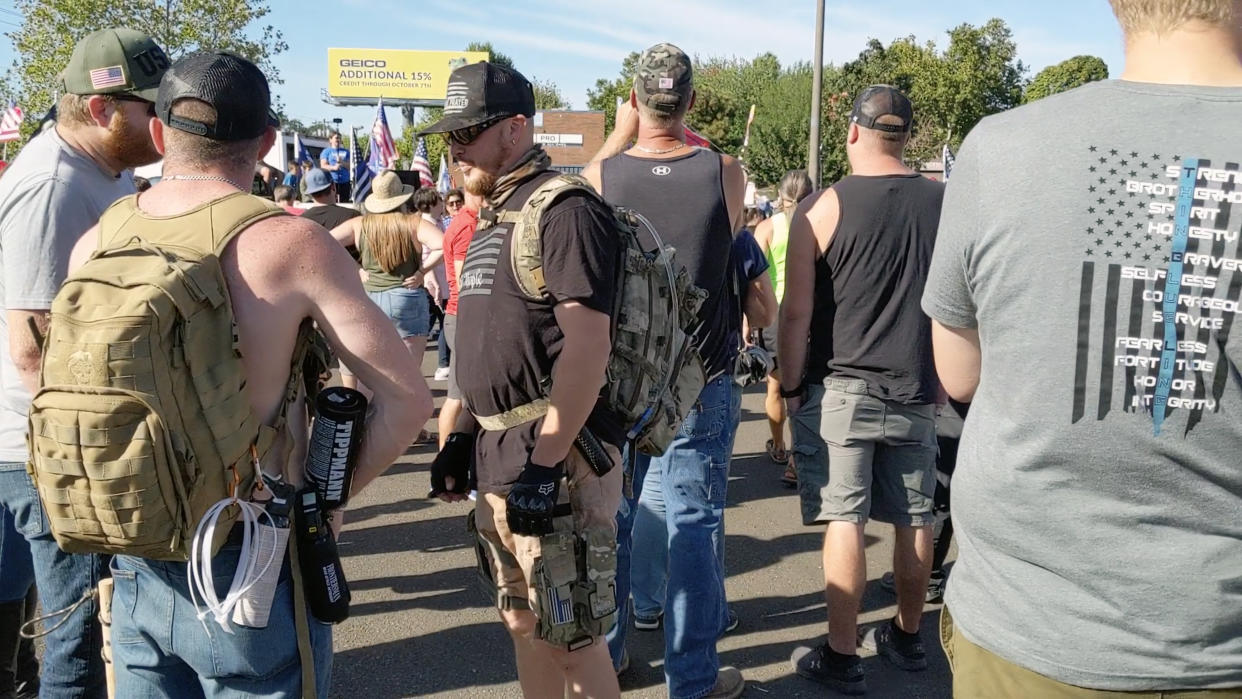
x: 387, y: 193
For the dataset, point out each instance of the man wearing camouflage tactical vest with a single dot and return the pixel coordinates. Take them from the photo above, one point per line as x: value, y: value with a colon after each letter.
x: 529, y: 370
x: 674, y: 524
x: 280, y: 272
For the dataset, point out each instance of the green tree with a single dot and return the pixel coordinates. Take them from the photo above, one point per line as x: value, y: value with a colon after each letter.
x: 49, y: 29
x: 1066, y: 75
x: 603, y: 97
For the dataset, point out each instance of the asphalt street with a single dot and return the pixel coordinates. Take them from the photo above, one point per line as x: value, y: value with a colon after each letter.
x: 420, y: 626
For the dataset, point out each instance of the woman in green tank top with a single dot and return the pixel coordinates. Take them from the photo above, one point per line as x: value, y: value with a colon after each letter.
x: 390, y: 236
x: 773, y: 238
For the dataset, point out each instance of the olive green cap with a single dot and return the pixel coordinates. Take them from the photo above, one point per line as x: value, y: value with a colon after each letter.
x: 115, y: 61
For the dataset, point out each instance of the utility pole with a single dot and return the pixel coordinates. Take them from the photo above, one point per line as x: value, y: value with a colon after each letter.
x: 817, y: 87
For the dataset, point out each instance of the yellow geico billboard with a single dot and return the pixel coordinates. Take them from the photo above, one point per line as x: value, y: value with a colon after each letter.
x: 395, y: 74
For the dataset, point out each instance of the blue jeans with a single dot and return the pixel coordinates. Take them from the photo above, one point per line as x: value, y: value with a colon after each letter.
x: 72, y: 665
x: 16, y: 565
x: 161, y: 649
x: 649, y: 568
x: 693, y: 476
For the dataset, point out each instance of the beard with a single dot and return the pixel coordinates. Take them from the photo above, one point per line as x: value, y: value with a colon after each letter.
x: 480, y: 183
x: 129, y: 141
x: 483, y: 175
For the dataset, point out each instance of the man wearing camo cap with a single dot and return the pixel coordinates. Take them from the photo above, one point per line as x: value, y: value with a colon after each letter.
x: 675, y: 523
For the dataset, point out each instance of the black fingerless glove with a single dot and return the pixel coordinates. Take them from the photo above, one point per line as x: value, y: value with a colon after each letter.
x: 531, y: 502
x: 453, y: 461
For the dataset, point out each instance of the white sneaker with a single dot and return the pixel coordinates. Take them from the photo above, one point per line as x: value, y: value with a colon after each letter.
x: 442, y: 374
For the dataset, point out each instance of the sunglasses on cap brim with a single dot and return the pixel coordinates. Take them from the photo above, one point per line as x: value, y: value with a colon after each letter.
x: 132, y: 98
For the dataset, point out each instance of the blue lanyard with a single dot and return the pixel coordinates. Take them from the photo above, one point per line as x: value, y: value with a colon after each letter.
x: 1173, y: 288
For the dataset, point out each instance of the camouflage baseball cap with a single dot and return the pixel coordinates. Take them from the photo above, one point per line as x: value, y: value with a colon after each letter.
x: 115, y: 61
x: 664, y: 78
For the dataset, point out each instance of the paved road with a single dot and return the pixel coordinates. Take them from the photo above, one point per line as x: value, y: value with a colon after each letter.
x: 420, y: 626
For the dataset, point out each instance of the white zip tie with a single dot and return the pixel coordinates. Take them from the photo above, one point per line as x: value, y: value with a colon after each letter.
x: 244, y: 575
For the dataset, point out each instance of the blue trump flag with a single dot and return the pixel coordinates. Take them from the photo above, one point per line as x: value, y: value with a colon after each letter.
x: 362, y: 173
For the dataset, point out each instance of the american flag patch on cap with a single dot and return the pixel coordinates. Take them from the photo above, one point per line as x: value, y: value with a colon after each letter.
x: 107, y: 77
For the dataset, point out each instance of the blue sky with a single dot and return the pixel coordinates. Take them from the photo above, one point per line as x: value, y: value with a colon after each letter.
x: 572, y: 43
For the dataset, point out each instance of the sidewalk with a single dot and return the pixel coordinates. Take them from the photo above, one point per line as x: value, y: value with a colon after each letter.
x: 419, y: 626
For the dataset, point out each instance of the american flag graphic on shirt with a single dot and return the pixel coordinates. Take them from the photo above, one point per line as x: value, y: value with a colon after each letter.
x: 1161, y: 279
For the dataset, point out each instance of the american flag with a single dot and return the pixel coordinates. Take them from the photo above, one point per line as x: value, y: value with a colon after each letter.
x: 11, y: 123
x: 420, y: 165
x: 445, y: 181
x: 107, y: 77
x: 1128, y: 256
x: 383, y: 154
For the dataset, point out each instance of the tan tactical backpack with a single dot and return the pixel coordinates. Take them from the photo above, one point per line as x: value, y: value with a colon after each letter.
x: 142, y: 421
x: 654, y: 372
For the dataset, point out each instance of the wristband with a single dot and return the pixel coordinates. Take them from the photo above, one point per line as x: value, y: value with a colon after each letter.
x: 792, y: 392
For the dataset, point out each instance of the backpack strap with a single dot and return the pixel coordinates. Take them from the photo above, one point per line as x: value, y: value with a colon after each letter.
x: 526, y: 251
x: 209, y: 228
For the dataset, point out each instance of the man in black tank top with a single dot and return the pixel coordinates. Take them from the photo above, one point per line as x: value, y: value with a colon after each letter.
x: 674, y: 520
x: 860, y: 383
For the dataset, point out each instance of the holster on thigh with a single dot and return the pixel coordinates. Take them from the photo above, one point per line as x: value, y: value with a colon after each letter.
x: 574, y: 580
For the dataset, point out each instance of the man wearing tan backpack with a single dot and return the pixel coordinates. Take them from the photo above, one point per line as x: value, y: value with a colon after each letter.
x: 56, y: 189
x: 279, y: 272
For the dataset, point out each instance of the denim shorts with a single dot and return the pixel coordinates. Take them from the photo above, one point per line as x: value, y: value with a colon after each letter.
x: 408, y: 309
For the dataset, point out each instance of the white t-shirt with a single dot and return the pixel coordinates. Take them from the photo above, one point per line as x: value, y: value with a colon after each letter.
x: 49, y: 196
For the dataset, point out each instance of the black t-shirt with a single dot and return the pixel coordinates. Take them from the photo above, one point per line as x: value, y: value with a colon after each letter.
x: 508, y: 344
x: 330, y: 216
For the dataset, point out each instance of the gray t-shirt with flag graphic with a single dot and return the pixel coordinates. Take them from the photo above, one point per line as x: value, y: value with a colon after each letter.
x: 1092, y: 239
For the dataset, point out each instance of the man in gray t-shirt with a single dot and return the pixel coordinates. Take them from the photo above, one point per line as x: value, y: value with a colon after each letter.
x: 1084, y: 289
x: 50, y: 195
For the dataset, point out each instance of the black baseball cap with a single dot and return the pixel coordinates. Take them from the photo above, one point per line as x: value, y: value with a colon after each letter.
x: 234, y: 86
x: 481, y: 92
x: 883, y: 101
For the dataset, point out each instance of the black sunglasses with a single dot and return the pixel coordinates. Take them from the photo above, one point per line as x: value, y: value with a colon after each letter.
x: 131, y: 98
x: 466, y: 136
x: 453, y: 202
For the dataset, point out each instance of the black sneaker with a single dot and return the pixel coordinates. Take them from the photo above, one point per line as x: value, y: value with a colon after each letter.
x: 905, y: 650
x: 844, y: 673
x: 935, y: 587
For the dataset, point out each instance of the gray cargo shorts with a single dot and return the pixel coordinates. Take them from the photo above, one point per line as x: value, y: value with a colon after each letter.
x: 883, y: 456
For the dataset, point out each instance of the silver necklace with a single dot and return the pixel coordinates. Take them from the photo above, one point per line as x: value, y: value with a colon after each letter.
x: 205, y: 178
x: 662, y: 151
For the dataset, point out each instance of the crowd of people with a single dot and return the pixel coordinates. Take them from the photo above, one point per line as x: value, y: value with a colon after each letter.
x: 1052, y: 330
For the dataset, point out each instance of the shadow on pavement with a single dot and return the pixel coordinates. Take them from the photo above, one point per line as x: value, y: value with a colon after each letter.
x: 462, y: 657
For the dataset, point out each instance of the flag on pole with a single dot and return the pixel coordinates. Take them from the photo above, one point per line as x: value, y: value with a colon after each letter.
x: 11, y: 123
x: 383, y: 155
x: 420, y: 165
x: 948, y: 158
x: 445, y: 182
x: 361, y: 170
x: 300, y: 154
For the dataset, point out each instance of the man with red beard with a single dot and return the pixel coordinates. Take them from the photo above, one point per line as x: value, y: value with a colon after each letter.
x: 53, y: 192
x: 526, y: 367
